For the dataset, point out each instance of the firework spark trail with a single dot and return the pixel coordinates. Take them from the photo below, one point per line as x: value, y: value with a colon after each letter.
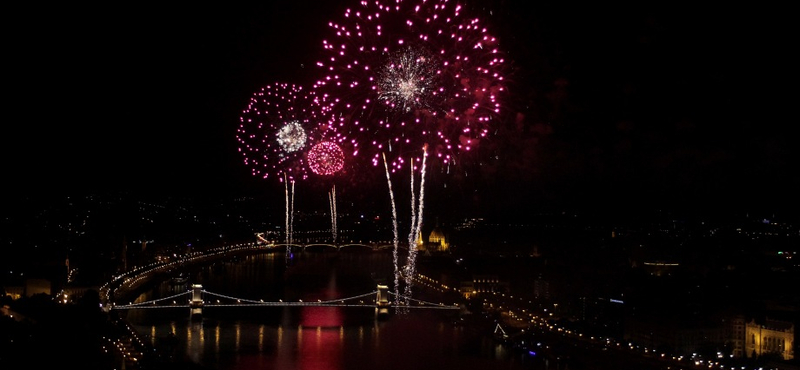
x: 411, y: 239
x: 286, y: 191
x: 291, y: 217
x: 416, y: 224
x: 335, y: 217
x: 394, y: 229
x: 332, y: 201
x: 421, y: 190
x: 413, y: 206
x: 287, y: 233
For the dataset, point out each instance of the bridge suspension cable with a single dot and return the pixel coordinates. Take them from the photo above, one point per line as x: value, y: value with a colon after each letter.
x: 339, y: 302
x: 148, y: 304
x: 423, y: 304
x: 299, y: 303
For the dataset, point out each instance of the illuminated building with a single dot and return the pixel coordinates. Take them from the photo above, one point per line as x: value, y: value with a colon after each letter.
x: 437, y: 242
x: 774, y: 337
x: 483, y: 284
x: 722, y: 330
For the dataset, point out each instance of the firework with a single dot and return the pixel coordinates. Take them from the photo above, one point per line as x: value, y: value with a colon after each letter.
x: 276, y: 128
x: 325, y: 158
x: 401, y: 74
x: 279, y: 124
x: 404, y: 76
x: 292, y: 137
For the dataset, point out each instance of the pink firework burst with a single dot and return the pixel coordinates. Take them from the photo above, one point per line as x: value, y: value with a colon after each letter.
x: 277, y: 127
x: 325, y: 158
x: 401, y: 74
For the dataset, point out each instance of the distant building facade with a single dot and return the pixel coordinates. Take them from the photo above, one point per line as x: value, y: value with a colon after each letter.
x: 773, y: 337
x: 731, y: 333
x: 483, y: 284
x: 541, y: 288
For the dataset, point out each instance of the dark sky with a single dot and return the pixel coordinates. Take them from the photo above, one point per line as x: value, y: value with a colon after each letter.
x: 609, y: 106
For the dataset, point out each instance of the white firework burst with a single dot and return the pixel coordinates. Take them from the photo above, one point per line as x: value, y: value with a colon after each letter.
x: 292, y: 137
x: 409, y: 80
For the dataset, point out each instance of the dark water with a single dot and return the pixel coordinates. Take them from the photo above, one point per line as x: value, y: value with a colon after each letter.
x: 319, y: 338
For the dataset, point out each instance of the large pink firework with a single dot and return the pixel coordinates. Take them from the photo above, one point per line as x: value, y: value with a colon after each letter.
x: 277, y: 128
x: 400, y: 74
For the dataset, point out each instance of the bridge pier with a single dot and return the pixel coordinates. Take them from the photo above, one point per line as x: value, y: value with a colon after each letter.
x: 382, y: 301
x: 196, y: 304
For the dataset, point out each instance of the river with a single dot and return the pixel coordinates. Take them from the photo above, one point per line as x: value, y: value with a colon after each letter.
x: 318, y: 338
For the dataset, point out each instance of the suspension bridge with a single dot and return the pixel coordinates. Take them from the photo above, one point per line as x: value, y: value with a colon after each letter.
x: 197, y: 298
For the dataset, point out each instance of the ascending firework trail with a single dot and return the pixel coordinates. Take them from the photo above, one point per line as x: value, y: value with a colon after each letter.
x: 416, y: 224
x: 395, y: 241
x: 332, y: 201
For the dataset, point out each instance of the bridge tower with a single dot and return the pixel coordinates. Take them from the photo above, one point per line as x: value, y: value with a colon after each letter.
x: 382, y: 301
x: 196, y: 304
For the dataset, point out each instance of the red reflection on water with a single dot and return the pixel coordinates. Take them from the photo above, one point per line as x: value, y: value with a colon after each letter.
x: 320, y: 336
x: 325, y: 317
x: 319, y: 341
x: 319, y: 349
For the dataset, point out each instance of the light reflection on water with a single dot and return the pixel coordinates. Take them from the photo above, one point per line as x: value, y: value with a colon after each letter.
x: 312, y: 338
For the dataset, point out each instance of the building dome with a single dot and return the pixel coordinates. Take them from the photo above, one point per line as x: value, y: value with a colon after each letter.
x: 437, y: 242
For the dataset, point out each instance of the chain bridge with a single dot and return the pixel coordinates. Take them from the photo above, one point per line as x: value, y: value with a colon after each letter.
x: 197, y: 298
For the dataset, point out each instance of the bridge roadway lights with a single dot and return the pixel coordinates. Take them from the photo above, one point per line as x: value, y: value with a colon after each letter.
x: 382, y: 303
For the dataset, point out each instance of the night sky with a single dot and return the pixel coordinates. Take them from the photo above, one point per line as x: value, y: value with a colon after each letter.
x: 608, y: 106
